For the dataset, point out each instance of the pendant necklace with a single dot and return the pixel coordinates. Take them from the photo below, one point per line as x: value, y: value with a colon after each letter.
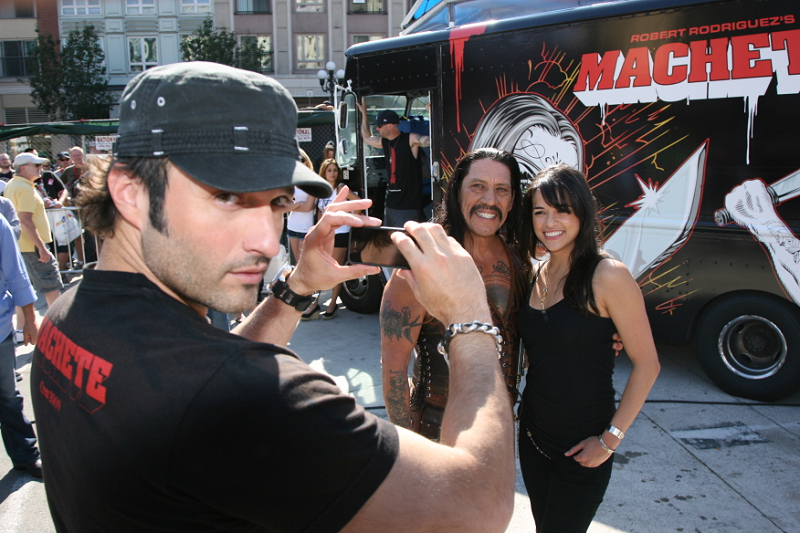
x: 543, y: 295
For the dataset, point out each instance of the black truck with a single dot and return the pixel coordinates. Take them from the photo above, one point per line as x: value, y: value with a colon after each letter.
x: 684, y: 117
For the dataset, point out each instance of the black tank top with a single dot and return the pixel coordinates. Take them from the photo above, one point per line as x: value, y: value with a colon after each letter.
x: 569, y: 392
x: 404, y: 190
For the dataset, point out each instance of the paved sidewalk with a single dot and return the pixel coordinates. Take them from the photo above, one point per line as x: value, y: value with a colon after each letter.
x: 696, y: 460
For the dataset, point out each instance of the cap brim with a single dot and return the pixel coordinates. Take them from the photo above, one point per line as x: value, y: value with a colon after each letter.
x: 251, y: 173
x: 36, y: 160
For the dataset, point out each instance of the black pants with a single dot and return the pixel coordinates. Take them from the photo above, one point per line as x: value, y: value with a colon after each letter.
x: 564, y: 495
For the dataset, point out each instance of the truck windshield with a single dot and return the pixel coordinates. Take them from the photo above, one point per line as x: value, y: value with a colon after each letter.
x: 459, y: 13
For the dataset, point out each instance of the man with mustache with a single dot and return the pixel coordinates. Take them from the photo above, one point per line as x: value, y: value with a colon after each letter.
x: 481, y: 211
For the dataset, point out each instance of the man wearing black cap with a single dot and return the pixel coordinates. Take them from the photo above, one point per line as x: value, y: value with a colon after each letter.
x: 404, y: 198
x: 150, y: 419
x: 63, y: 160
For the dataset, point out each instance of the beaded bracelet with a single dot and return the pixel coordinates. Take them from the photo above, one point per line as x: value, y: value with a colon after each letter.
x: 468, y: 327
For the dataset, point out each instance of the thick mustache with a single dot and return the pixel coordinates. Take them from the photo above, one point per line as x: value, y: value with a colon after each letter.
x: 487, y: 207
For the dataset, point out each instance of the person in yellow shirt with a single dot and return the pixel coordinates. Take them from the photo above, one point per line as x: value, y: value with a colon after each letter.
x: 41, y: 265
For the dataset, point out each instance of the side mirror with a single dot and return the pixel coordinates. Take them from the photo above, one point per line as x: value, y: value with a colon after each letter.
x: 343, y: 115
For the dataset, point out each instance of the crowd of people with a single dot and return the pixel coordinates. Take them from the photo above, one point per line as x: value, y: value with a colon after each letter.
x: 31, y: 265
x: 167, y: 405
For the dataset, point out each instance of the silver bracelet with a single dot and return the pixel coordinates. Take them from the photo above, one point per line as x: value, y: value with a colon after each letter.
x: 608, y: 450
x: 468, y: 327
x: 616, y: 432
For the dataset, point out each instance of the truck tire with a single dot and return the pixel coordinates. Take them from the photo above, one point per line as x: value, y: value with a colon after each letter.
x: 749, y: 346
x: 363, y: 295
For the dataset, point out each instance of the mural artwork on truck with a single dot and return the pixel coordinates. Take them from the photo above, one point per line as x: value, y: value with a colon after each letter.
x: 676, y: 122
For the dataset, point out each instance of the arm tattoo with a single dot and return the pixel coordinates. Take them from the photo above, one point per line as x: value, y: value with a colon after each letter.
x: 398, y: 323
x: 397, y: 404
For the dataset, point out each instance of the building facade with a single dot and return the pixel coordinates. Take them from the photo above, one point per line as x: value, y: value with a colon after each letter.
x: 305, y: 34
x: 301, y: 35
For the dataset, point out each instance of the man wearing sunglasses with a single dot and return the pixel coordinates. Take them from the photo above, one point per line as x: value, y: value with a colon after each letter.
x: 21, y: 190
x: 62, y: 162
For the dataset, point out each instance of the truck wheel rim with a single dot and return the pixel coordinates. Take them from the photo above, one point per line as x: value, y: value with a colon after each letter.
x: 357, y: 287
x: 752, y: 347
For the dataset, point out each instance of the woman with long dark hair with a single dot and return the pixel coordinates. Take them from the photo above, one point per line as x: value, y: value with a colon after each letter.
x: 569, y: 426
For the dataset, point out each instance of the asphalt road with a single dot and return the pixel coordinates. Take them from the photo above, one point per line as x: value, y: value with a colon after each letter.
x: 696, y: 460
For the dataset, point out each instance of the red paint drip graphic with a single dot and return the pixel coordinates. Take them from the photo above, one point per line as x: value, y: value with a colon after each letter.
x: 458, y: 38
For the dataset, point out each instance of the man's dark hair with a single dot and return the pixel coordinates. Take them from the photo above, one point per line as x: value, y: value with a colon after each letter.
x: 99, y: 212
x: 565, y: 188
x: 449, y: 214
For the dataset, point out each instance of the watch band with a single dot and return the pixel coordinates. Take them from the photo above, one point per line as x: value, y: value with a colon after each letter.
x: 616, y: 432
x: 281, y: 291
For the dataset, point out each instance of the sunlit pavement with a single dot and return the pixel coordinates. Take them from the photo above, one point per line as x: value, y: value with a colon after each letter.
x: 696, y: 460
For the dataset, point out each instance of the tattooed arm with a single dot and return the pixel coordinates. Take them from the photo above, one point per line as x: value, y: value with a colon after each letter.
x: 401, y: 319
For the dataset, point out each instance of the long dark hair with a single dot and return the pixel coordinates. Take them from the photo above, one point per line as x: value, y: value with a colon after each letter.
x: 323, y: 167
x: 566, y: 189
x: 450, y: 215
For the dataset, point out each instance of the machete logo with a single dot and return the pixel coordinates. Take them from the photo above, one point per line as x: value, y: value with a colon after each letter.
x: 73, y: 369
x: 735, y: 67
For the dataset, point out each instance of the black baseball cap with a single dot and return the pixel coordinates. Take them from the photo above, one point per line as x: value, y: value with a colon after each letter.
x: 387, y: 116
x: 229, y: 128
x: 63, y: 155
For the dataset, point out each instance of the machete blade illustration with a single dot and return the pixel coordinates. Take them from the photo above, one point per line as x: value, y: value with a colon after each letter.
x: 664, y: 220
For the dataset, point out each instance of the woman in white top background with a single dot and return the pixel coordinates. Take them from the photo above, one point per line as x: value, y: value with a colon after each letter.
x: 332, y: 173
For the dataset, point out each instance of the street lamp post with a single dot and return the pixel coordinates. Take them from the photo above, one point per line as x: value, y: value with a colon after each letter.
x: 330, y: 81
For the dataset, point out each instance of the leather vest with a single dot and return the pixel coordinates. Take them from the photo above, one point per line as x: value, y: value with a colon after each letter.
x: 431, y: 374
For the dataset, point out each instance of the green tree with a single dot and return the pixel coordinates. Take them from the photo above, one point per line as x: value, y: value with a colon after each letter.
x: 45, y: 83
x: 85, y: 85
x: 252, y: 54
x: 219, y: 46
x: 71, y: 85
x: 208, y: 44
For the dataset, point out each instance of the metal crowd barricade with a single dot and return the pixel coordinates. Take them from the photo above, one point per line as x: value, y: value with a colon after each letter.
x: 62, y: 232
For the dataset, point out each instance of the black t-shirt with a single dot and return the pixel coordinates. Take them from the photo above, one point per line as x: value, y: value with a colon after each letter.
x: 5, y: 176
x: 404, y: 190
x: 52, y: 184
x: 150, y: 419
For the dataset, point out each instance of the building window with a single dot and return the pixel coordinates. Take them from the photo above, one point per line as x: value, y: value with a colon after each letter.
x: 17, y: 9
x: 24, y: 115
x: 14, y: 62
x: 80, y: 7
x: 195, y: 6
x: 140, y: 7
x: 366, y: 38
x: 310, y: 52
x: 263, y: 41
x: 246, y: 7
x: 366, y: 6
x: 309, y: 6
x: 142, y: 53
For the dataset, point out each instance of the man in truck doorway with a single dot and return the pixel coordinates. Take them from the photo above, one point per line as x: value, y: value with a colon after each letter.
x: 404, y: 198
